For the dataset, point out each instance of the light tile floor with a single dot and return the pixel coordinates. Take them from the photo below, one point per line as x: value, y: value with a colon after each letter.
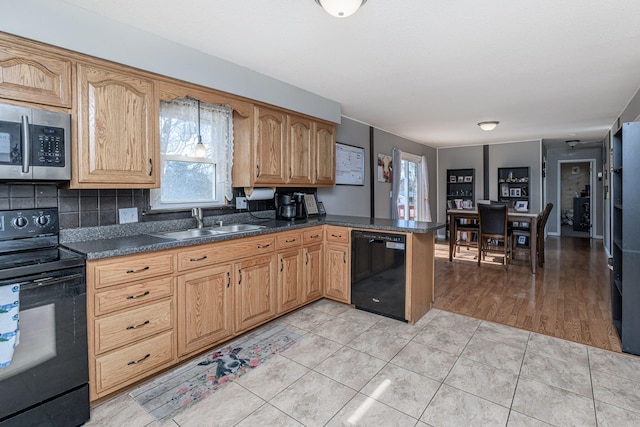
x: 356, y: 368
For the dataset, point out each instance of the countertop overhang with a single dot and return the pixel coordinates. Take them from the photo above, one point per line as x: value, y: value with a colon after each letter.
x: 105, y: 242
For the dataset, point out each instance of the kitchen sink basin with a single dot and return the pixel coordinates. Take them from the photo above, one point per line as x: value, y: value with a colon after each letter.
x: 194, y: 233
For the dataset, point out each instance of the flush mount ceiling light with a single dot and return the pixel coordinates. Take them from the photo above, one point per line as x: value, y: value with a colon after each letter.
x: 488, y: 125
x: 573, y: 142
x: 341, y: 8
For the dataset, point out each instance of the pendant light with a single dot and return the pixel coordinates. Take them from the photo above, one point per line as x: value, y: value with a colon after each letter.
x: 200, y: 150
x: 341, y: 8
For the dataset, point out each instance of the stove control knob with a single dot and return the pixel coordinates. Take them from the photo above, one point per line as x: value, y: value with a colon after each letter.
x: 20, y: 222
x: 42, y: 220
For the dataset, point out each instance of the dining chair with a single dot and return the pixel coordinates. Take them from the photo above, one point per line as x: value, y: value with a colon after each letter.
x: 542, y: 222
x: 494, y: 233
x: 470, y: 229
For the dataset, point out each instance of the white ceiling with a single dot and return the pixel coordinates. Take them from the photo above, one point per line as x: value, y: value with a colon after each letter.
x: 427, y: 70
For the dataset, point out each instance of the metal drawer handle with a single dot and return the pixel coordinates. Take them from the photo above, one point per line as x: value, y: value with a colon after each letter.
x: 307, y: 254
x: 228, y: 279
x: 257, y: 171
x: 146, y: 322
x: 150, y: 167
x: 315, y: 236
x: 197, y: 259
x: 339, y: 236
x: 290, y: 241
x: 139, y: 270
x: 344, y: 257
x: 138, y: 296
x: 281, y: 265
x: 263, y: 246
x: 133, y: 362
x: 240, y: 276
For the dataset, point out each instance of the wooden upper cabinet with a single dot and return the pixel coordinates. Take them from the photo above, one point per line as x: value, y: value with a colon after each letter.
x: 116, y: 139
x: 34, y: 76
x: 270, y: 147
x: 300, y: 150
x: 325, y: 154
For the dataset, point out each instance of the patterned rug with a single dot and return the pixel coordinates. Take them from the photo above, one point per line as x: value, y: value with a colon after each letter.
x: 166, y: 395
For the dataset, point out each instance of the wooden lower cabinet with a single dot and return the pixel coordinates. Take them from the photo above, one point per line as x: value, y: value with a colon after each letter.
x: 313, y: 273
x: 255, y: 291
x: 205, y: 308
x: 289, y: 280
x: 337, y: 264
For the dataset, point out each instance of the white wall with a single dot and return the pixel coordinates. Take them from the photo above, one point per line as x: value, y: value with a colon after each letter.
x: 350, y: 199
x: 457, y: 158
x: 61, y: 24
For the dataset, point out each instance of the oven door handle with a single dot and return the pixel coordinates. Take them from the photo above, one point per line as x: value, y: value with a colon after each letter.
x: 48, y: 281
x: 26, y: 144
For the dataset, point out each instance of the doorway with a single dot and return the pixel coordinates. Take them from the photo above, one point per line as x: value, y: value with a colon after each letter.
x: 409, y: 190
x: 575, y: 190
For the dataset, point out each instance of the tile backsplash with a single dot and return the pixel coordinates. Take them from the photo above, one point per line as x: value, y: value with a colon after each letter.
x: 89, y: 208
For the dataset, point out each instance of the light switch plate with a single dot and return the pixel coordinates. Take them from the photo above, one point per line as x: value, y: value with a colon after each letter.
x: 127, y: 215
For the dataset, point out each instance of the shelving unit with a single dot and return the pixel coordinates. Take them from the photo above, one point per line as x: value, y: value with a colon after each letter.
x: 625, y: 277
x: 460, y: 186
x: 513, y: 185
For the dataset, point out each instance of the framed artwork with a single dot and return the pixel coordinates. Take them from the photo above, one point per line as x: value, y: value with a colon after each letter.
x: 522, y: 240
x: 468, y: 178
x: 453, y: 178
x: 461, y: 179
x: 504, y: 190
x: 514, y: 192
x: 521, y: 205
x: 385, y: 168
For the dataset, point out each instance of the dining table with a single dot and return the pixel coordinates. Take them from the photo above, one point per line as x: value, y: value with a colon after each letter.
x: 512, y: 216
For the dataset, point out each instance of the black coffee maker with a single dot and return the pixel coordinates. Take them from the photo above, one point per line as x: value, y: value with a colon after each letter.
x: 285, y: 206
x: 290, y: 206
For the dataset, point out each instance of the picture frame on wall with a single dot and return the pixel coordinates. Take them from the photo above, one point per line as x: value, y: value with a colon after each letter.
x: 461, y: 179
x: 514, y: 192
x: 521, y: 205
x: 468, y: 178
x: 504, y: 190
x: 453, y: 178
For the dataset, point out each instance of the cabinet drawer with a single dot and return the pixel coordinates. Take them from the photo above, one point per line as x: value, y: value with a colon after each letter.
x: 122, y: 328
x: 225, y: 251
x: 288, y: 239
x: 312, y: 236
x: 130, y: 268
x: 132, y: 295
x: 337, y: 234
x: 133, y: 362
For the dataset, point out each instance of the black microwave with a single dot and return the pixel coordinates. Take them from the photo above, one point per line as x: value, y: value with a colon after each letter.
x: 34, y: 144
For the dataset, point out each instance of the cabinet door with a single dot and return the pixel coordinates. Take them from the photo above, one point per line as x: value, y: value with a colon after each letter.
x: 204, y: 308
x: 337, y: 262
x: 33, y: 76
x: 325, y: 147
x: 117, y: 126
x: 255, y: 291
x: 313, y: 272
x: 289, y: 280
x: 269, y: 146
x: 300, y: 150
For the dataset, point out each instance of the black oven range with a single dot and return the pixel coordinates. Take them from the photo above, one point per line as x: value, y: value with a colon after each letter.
x: 43, y: 357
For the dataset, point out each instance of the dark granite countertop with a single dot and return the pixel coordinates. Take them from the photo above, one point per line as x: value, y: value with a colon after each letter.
x: 126, y: 239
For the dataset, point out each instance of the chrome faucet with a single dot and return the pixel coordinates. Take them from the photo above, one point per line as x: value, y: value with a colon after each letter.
x: 197, y: 214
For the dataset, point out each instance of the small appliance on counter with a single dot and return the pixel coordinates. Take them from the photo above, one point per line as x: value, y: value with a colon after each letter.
x: 297, y: 205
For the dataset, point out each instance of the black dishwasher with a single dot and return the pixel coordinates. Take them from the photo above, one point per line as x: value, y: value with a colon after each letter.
x: 378, y: 273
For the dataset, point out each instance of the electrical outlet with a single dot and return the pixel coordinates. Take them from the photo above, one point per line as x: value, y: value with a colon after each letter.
x: 127, y: 215
x: 241, y: 203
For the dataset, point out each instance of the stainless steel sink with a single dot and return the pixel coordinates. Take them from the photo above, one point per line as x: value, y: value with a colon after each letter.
x: 194, y: 233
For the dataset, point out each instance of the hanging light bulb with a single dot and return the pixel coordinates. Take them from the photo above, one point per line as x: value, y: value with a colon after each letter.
x: 341, y: 8
x: 200, y: 150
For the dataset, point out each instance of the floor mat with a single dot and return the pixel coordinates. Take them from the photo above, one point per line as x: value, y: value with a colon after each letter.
x: 166, y: 395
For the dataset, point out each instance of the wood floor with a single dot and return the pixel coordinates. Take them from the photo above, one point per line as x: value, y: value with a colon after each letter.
x: 569, y: 298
